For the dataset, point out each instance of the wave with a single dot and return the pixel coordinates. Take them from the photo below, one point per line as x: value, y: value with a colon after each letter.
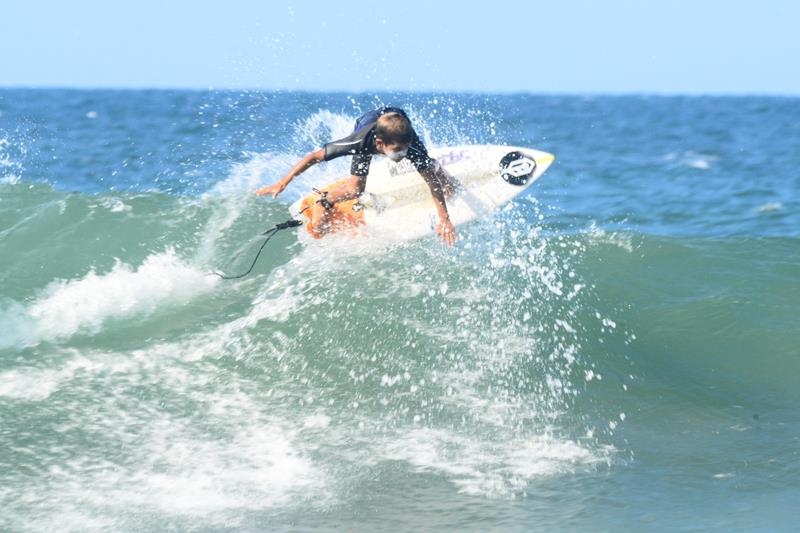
x: 526, y: 353
x: 523, y: 354
x: 446, y: 352
x: 718, y: 310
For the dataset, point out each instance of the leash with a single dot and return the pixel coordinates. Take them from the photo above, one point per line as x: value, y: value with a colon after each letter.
x: 291, y: 223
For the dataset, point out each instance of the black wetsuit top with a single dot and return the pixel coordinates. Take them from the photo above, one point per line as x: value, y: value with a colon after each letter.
x: 361, y: 144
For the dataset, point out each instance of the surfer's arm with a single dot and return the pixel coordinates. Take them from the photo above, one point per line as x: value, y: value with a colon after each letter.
x: 311, y: 159
x: 445, y: 228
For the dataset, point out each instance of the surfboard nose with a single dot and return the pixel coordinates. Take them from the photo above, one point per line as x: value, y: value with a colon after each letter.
x: 544, y: 158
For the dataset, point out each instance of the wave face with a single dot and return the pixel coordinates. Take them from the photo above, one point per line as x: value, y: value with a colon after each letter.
x: 616, y: 347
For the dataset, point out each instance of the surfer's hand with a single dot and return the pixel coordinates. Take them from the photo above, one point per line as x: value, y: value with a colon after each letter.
x: 446, y: 231
x: 275, y: 189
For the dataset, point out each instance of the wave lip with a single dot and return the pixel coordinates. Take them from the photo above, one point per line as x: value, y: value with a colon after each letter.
x: 82, y: 306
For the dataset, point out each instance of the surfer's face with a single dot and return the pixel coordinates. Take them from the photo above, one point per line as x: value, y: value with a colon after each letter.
x: 395, y: 152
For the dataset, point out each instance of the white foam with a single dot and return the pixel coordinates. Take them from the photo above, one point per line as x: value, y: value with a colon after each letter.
x: 601, y: 236
x: 10, y: 168
x: 177, y: 473
x: 115, y: 205
x: 29, y: 384
x: 232, y: 452
x: 68, y: 307
x: 317, y: 421
x: 10, y: 179
x: 700, y: 163
x: 493, y: 466
x: 5, y: 160
x: 692, y: 159
x: 769, y: 207
x: 36, y: 384
x: 203, y: 477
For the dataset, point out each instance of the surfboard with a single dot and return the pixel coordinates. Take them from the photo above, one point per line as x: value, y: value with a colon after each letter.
x: 397, y: 203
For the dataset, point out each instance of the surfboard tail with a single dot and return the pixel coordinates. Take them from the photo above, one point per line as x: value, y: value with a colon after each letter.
x: 342, y: 216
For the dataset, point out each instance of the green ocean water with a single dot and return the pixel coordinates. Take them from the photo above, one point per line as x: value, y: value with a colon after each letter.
x: 616, y: 350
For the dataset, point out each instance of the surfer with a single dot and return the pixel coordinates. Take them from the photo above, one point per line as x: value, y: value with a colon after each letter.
x: 385, y: 131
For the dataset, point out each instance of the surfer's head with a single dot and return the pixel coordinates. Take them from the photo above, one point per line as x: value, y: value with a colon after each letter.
x: 393, y: 135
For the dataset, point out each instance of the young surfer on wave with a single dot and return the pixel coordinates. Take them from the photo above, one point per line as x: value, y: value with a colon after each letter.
x: 385, y: 131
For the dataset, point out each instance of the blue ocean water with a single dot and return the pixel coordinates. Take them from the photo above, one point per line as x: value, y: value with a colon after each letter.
x: 616, y: 350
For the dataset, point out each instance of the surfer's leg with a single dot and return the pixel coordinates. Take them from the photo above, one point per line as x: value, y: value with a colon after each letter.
x: 320, y: 224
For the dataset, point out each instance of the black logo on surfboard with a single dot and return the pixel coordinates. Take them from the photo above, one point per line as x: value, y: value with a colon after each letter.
x: 517, y: 168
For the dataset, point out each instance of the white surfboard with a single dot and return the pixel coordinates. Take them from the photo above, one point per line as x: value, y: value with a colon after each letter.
x: 397, y: 203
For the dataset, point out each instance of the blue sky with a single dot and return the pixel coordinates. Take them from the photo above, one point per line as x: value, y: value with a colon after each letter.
x: 560, y: 46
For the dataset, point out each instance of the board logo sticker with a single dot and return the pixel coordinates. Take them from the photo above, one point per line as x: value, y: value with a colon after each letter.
x: 452, y: 157
x: 517, y: 168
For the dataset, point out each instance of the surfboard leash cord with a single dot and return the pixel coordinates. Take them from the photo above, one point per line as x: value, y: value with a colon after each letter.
x: 291, y: 223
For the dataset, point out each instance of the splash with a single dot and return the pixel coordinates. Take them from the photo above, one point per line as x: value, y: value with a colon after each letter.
x: 10, y: 165
x: 322, y: 127
x: 466, y: 362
